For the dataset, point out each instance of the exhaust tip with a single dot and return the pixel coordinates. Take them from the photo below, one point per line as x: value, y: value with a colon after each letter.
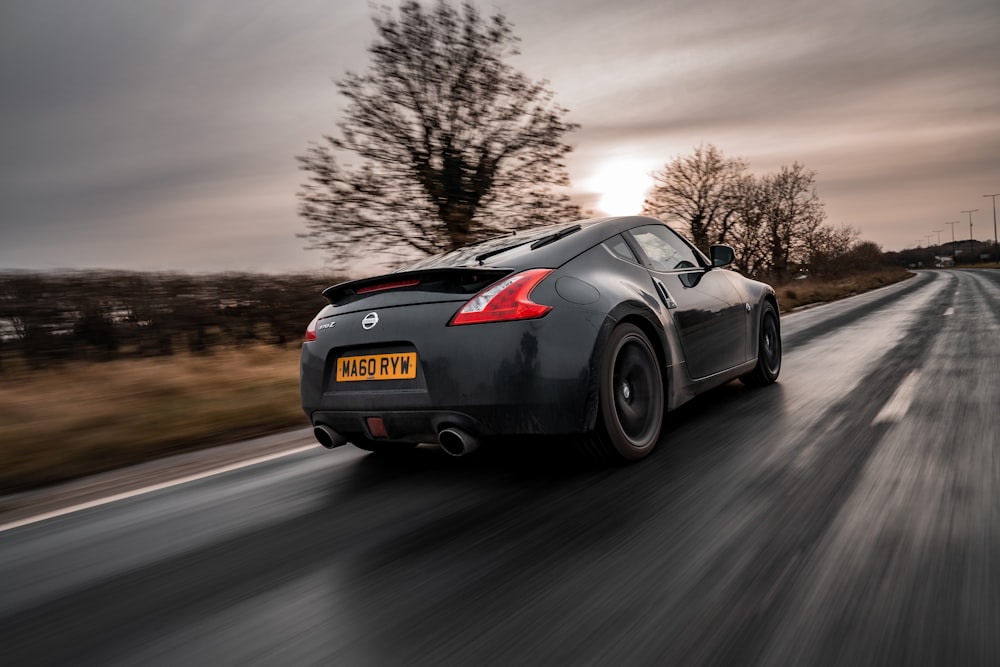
x: 457, y: 442
x: 327, y: 437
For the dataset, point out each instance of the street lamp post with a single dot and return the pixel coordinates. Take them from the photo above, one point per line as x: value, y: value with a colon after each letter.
x: 970, y: 212
x: 996, y: 246
x: 954, y: 255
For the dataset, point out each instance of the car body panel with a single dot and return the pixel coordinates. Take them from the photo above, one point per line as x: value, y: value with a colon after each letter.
x: 535, y: 376
x: 710, y: 318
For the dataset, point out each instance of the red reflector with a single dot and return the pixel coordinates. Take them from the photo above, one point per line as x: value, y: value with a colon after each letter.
x: 378, y: 287
x: 377, y: 427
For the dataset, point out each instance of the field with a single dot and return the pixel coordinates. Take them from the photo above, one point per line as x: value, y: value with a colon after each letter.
x: 84, y: 417
x: 76, y: 418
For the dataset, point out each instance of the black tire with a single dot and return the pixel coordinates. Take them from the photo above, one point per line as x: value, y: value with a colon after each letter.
x: 631, y: 399
x: 768, y: 350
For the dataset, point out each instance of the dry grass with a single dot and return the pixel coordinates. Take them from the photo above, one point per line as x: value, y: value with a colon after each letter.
x: 803, y: 292
x: 82, y: 418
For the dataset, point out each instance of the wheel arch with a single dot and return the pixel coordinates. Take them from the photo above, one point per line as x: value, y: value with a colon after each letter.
x: 771, y: 298
x: 765, y: 370
x: 641, y: 316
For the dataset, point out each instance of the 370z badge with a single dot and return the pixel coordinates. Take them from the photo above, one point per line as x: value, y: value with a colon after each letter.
x: 371, y: 319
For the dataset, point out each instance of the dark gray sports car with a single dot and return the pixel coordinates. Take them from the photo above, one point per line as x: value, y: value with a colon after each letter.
x: 593, y: 329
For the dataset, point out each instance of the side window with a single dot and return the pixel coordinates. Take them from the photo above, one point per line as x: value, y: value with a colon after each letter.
x: 619, y: 247
x: 664, y: 248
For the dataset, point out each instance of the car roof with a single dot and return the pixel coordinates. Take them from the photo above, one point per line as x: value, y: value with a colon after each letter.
x: 549, y: 246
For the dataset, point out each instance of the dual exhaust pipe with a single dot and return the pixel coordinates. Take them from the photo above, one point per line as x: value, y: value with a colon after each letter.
x: 454, y: 441
x: 327, y: 437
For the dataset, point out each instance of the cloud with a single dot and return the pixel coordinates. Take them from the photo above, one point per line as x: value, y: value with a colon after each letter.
x: 132, y: 128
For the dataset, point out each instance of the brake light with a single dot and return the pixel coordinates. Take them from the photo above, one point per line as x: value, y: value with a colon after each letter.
x: 379, y: 287
x: 506, y: 300
x: 311, y: 329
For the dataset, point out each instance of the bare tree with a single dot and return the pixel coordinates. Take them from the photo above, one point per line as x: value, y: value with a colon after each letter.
x: 698, y: 190
x: 774, y: 222
x: 828, y: 249
x: 748, y: 234
x: 865, y: 256
x: 793, y: 211
x: 454, y: 143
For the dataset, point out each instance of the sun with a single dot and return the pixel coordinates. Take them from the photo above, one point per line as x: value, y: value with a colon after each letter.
x: 622, y: 184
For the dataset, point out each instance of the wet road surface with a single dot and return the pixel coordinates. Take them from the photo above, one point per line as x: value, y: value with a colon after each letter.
x: 849, y: 514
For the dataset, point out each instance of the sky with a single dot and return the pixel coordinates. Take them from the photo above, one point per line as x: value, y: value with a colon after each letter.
x: 161, y: 134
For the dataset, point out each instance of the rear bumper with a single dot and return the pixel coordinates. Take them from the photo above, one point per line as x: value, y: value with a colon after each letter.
x: 426, y: 425
x: 508, y: 378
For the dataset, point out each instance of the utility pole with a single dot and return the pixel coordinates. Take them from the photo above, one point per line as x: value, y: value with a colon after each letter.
x: 970, y: 212
x: 938, y: 232
x: 996, y: 246
x: 954, y: 255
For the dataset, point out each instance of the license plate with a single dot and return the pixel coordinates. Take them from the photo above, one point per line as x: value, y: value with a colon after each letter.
x: 397, y: 366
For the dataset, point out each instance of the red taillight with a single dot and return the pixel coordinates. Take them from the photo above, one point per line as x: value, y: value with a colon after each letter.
x: 505, y: 300
x: 378, y: 287
x: 311, y: 329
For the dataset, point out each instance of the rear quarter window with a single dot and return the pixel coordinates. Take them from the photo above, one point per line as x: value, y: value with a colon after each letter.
x: 619, y: 247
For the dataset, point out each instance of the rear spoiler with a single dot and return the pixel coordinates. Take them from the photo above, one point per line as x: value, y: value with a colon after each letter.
x: 442, y: 281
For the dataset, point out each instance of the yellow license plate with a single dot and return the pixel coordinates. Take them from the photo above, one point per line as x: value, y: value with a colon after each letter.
x: 398, y: 366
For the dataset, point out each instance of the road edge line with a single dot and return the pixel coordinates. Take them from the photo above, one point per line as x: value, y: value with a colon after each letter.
x: 151, y: 488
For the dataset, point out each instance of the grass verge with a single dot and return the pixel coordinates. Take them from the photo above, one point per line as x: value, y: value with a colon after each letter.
x: 800, y: 293
x: 82, y: 418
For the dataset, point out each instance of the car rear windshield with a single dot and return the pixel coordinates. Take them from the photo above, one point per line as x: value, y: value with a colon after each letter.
x: 496, y: 250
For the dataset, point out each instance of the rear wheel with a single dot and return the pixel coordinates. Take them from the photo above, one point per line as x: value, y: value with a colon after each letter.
x: 768, y: 350
x: 631, y: 398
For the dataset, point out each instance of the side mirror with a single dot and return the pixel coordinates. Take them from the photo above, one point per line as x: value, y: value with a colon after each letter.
x: 722, y: 255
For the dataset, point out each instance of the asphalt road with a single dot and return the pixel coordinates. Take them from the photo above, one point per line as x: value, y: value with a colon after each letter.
x: 849, y: 515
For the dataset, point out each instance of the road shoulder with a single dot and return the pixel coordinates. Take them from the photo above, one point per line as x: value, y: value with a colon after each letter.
x: 20, y: 506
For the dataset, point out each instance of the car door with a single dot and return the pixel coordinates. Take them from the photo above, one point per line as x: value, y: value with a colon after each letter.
x: 710, y: 316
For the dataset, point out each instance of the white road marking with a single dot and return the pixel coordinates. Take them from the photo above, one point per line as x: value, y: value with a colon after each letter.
x: 950, y: 311
x: 155, y: 487
x: 895, y: 409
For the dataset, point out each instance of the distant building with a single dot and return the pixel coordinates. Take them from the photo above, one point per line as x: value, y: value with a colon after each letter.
x: 942, y: 261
